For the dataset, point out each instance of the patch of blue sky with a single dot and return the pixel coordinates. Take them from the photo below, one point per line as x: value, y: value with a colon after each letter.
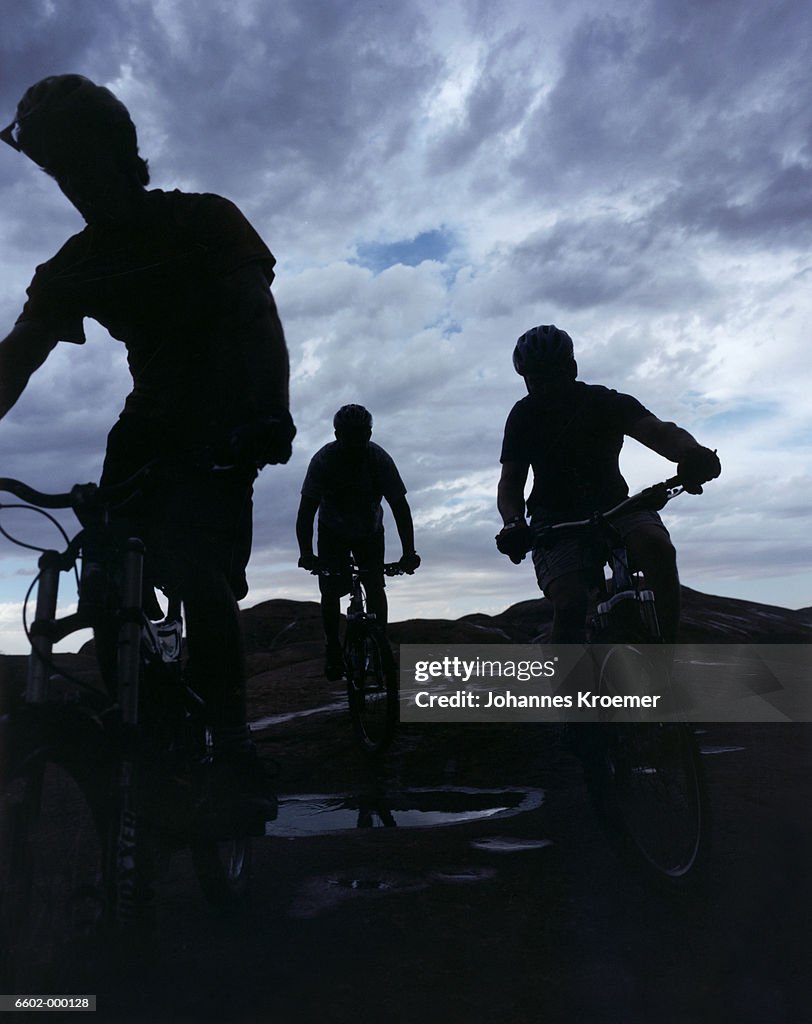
x: 743, y: 415
x: 411, y: 252
x: 801, y: 438
x: 697, y: 400
x: 445, y: 325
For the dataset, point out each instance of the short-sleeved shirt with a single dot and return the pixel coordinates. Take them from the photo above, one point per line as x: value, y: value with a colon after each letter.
x: 154, y: 284
x: 349, y: 492
x: 573, y: 446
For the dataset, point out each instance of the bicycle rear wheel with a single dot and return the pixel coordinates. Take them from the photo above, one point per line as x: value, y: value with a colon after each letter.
x: 372, y: 689
x: 53, y: 844
x: 647, y: 782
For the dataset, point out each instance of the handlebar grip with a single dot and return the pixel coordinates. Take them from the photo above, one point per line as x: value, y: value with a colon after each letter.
x: 32, y: 496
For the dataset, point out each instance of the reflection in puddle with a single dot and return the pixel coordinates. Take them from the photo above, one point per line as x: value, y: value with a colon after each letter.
x: 507, y: 844
x: 363, y: 884
x: 314, y: 814
x: 266, y: 723
x: 325, y: 892
x: 720, y: 750
x: 464, y: 876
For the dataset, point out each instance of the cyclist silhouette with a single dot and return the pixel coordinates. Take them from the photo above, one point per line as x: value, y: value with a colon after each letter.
x: 345, y: 482
x: 571, y: 433
x: 183, y: 281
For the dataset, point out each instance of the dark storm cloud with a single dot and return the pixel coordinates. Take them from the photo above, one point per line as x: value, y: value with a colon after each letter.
x: 695, y: 101
x: 607, y: 260
x: 320, y: 92
x: 47, y: 38
x: 779, y: 213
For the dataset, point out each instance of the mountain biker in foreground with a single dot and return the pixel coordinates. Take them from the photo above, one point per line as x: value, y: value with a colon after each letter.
x: 345, y: 482
x: 571, y: 434
x: 183, y: 281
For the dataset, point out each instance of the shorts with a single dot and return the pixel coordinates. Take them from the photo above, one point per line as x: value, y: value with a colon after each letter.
x: 335, y: 552
x: 192, y: 518
x: 571, y: 555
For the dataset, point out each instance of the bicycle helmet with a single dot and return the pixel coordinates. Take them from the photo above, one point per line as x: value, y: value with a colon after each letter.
x: 542, y: 349
x: 353, y: 418
x: 64, y: 114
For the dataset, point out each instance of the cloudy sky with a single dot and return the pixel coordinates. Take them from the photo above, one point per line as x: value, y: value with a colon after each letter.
x: 433, y: 180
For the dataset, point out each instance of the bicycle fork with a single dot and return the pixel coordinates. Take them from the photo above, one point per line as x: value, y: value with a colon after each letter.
x: 124, y: 876
x: 42, y: 628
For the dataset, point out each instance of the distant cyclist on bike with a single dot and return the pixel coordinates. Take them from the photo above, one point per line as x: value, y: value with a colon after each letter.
x: 571, y: 434
x: 183, y: 281
x: 345, y: 482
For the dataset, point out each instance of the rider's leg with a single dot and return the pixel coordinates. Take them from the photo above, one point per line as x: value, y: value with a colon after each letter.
x: 569, y: 594
x: 216, y: 653
x: 369, y: 556
x: 377, y: 603
x: 331, y: 616
x: 563, y: 572
x: 334, y: 555
x: 331, y: 593
x: 201, y: 537
x: 651, y: 551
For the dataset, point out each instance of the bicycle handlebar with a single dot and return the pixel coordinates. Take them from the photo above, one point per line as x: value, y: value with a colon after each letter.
x: 651, y: 498
x: 34, y: 497
x: 389, y: 569
x: 90, y: 495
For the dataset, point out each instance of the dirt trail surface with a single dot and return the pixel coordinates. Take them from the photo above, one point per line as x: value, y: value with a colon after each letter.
x: 494, y: 895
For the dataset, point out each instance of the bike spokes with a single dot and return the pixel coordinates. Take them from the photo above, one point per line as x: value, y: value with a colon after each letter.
x: 650, y: 791
x: 372, y: 691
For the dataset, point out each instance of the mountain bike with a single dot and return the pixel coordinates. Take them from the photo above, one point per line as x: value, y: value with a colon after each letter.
x: 369, y: 665
x: 646, y: 778
x: 102, y: 779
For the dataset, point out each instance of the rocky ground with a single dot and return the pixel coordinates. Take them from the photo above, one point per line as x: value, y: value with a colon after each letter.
x: 492, y: 894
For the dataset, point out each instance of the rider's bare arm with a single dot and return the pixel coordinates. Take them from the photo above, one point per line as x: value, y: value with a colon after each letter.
x: 662, y: 437
x: 256, y: 341
x: 403, y: 521
x: 304, y: 524
x: 22, y: 352
x: 510, y: 494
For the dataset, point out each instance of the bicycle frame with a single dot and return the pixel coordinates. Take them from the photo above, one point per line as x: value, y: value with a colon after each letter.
x: 622, y: 584
x: 112, y: 600
x: 47, y: 629
x: 357, y: 606
x: 369, y: 666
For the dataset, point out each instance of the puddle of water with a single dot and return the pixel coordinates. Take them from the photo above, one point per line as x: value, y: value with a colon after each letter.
x: 325, y: 892
x: 266, y: 723
x: 464, y: 876
x: 364, y: 884
x: 720, y: 750
x: 509, y: 844
x: 314, y: 814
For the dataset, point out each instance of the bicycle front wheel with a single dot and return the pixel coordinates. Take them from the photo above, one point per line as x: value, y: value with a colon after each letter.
x: 647, y: 781
x: 53, y: 895
x: 222, y: 865
x: 372, y: 689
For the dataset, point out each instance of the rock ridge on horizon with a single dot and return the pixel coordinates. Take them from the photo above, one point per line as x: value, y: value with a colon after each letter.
x: 278, y: 622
